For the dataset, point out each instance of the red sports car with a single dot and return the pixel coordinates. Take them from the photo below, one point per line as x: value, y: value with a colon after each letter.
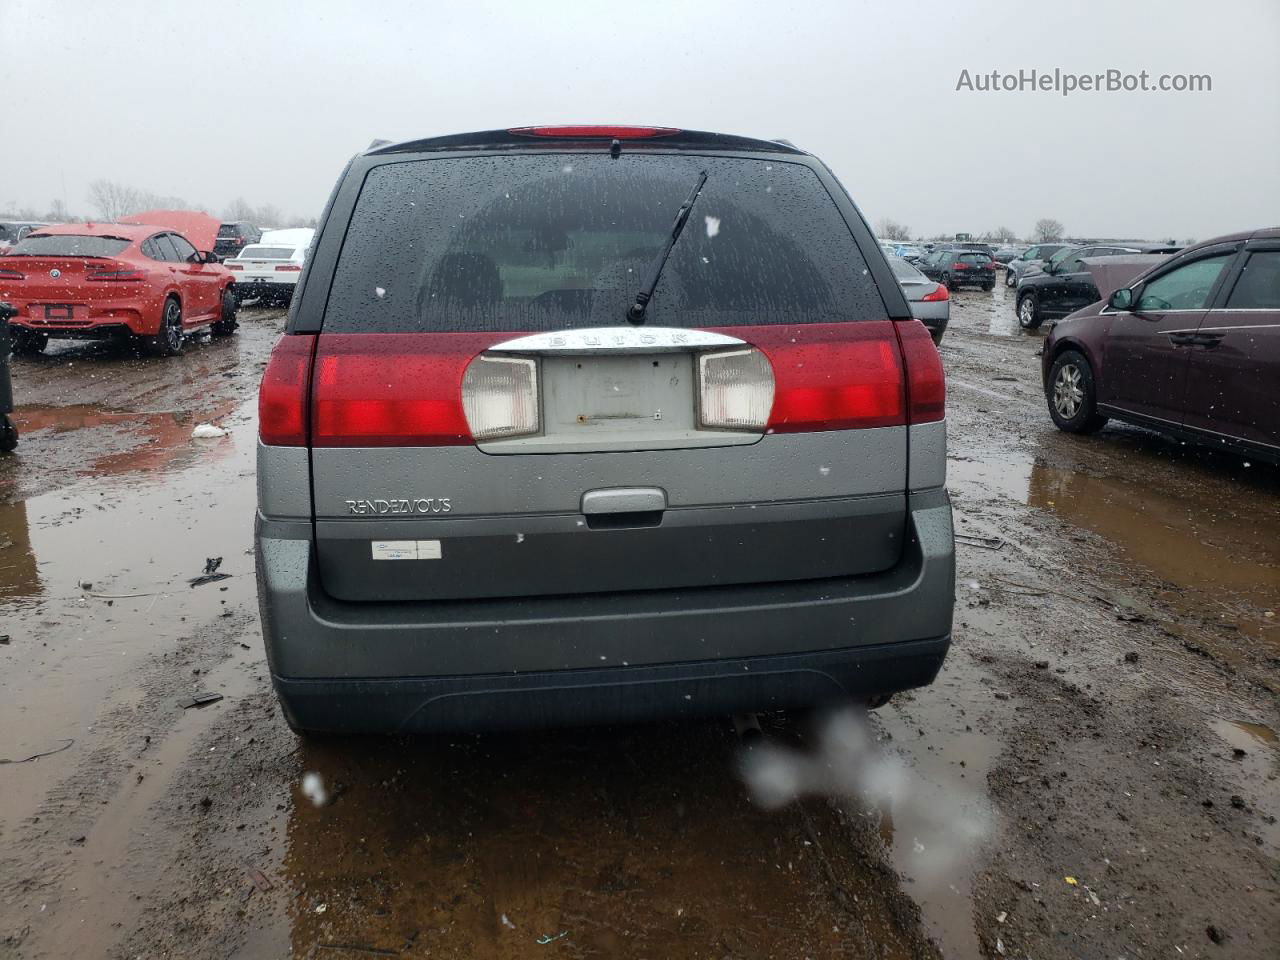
x: 103, y: 280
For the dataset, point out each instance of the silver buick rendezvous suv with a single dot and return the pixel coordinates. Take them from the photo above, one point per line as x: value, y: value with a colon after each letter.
x: 587, y: 424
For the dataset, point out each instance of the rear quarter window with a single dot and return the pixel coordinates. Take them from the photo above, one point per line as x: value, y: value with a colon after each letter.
x: 555, y: 241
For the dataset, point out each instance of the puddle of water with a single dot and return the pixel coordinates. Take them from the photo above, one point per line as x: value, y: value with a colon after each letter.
x: 1260, y: 763
x: 1221, y: 547
x: 1260, y: 732
x: 935, y: 831
x: 627, y: 840
x: 135, y: 538
x: 1001, y: 319
x: 156, y: 441
x: 108, y: 888
x: 19, y: 576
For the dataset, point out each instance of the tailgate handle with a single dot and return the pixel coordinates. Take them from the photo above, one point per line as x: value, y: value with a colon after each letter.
x: 624, y: 500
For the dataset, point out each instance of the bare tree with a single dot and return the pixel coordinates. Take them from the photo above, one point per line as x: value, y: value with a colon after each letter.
x: 1048, y: 230
x: 1002, y: 235
x: 268, y: 215
x: 239, y: 209
x: 887, y: 229
x: 58, y: 212
x: 114, y: 200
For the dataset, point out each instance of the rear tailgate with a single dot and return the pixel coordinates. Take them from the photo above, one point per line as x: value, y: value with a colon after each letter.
x: 754, y: 430
x: 60, y: 289
x: 976, y: 267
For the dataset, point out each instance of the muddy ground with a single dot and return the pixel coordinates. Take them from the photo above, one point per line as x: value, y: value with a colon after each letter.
x: 1094, y: 774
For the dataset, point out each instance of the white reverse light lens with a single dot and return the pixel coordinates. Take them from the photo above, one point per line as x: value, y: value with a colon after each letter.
x: 737, y: 389
x: 500, y: 397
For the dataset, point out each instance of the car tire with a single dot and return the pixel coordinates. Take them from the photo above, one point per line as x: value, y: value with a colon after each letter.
x: 1029, y: 312
x: 226, y: 323
x: 1010, y: 278
x: 1072, y: 396
x: 8, y: 435
x: 25, y: 344
x: 168, y: 342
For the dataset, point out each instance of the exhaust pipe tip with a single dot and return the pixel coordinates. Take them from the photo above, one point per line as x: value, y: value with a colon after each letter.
x: 747, y: 727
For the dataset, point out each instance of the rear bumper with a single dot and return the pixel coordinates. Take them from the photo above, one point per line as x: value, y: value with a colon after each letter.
x: 934, y: 314
x: 595, y: 657
x: 248, y: 288
x: 95, y: 319
x: 612, y: 695
x: 97, y: 331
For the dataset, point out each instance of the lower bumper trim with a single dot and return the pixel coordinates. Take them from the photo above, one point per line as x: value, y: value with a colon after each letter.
x: 609, y: 695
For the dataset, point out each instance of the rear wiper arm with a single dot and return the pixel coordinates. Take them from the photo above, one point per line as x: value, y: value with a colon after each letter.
x: 635, y: 313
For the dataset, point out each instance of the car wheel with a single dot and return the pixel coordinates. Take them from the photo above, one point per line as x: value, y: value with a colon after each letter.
x: 8, y: 435
x: 226, y: 324
x: 1028, y: 312
x: 168, y: 342
x: 1010, y: 278
x: 1072, y: 397
x: 26, y: 344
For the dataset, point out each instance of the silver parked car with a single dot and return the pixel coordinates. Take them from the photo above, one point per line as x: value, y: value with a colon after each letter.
x: 591, y: 424
x: 1030, y: 260
x: 930, y: 302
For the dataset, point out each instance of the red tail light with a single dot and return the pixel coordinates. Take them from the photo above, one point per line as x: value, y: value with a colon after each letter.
x: 939, y: 293
x: 590, y: 132
x: 289, y: 268
x: 116, y: 272
x: 282, y: 397
x: 832, y: 376
x: 959, y: 265
x: 926, y: 383
x: 234, y: 266
x: 370, y: 390
x: 389, y: 389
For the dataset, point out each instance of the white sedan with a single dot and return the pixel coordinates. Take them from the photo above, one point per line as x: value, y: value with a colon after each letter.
x: 268, y: 271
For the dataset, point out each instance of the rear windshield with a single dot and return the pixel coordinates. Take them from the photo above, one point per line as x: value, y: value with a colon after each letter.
x: 973, y: 258
x: 903, y: 270
x: 68, y: 245
x: 267, y: 253
x: 555, y: 241
x: 228, y: 232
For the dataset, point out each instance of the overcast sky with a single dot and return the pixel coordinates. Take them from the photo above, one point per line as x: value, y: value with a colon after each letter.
x: 214, y: 100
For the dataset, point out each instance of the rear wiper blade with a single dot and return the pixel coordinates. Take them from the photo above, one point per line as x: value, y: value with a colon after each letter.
x: 635, y: 313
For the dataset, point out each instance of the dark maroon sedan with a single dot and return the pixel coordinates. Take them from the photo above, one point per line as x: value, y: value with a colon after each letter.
x: 1190, y: 348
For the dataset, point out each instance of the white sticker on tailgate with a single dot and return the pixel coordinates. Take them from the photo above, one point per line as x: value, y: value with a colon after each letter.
x: 406, y: 549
